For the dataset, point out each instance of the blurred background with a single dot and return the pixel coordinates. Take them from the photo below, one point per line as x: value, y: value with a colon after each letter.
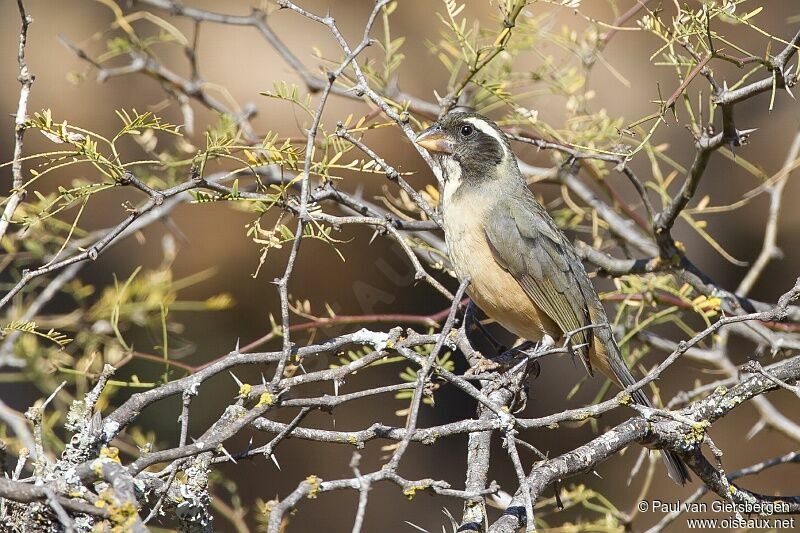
x: 375, y: 278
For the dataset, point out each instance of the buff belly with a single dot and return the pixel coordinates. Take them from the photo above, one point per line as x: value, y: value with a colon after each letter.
x: 491, y: 287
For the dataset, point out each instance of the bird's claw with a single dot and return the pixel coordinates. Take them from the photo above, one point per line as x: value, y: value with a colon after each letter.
x: 483, y: 365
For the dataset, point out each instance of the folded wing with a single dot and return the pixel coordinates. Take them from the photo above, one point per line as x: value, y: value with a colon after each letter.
x: 526, y: 243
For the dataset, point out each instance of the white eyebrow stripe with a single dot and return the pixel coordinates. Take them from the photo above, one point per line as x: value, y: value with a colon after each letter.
x: 484, y: 127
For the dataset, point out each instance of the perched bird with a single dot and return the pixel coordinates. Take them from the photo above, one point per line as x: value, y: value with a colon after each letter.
x: 523, y: 271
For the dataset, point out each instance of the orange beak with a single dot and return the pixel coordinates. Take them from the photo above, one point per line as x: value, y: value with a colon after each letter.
x: 435, y: 140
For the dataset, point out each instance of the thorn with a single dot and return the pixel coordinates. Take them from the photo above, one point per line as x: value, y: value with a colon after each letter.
x: 415, y: 526
x: 50, y: 398
x: 374, y: 235
x: 756, y: 429
x: 275, y: 460
x: 237, y: 345
x: 228, y: 455
x: 239, y: 383
x: 263, y: 380
x: 449, y: 515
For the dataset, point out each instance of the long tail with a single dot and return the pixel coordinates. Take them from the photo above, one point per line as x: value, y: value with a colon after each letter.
x: 607, y: 358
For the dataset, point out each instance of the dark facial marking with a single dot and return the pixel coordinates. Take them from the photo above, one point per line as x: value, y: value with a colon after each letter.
x: 478, y: 153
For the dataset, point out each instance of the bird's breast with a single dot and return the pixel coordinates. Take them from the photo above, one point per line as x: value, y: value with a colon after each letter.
x: 491, y: 287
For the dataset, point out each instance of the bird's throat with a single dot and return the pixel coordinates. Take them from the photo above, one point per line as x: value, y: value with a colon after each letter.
x: 452, y: 178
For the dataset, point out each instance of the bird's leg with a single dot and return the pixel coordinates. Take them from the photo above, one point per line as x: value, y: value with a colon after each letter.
x: 546, y: 342
x: 508, y: 359
x: 528, y: 350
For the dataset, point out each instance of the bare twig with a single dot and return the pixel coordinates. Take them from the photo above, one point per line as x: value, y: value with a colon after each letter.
x: 26, y: 80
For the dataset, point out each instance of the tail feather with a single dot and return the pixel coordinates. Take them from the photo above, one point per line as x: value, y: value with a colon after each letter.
x: 675, y: 467
x: 606, y: 357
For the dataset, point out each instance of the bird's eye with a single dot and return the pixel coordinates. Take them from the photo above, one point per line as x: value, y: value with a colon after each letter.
x: 467, y: 130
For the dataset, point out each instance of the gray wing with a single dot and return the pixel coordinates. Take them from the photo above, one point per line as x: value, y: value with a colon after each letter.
x: 527, y: 243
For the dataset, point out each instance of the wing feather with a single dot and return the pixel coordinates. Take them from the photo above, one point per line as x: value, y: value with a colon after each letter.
x: 526, y: 242
x: 533, y: 250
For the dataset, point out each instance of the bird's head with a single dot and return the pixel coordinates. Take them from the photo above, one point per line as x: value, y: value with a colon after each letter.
x: 468, y: 148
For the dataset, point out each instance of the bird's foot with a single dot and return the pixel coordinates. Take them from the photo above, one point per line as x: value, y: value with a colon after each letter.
x: 530, y: 350
x: 482, y: 365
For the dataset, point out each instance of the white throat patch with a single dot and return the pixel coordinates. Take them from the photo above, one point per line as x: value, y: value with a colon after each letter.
x: 453, y: 179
